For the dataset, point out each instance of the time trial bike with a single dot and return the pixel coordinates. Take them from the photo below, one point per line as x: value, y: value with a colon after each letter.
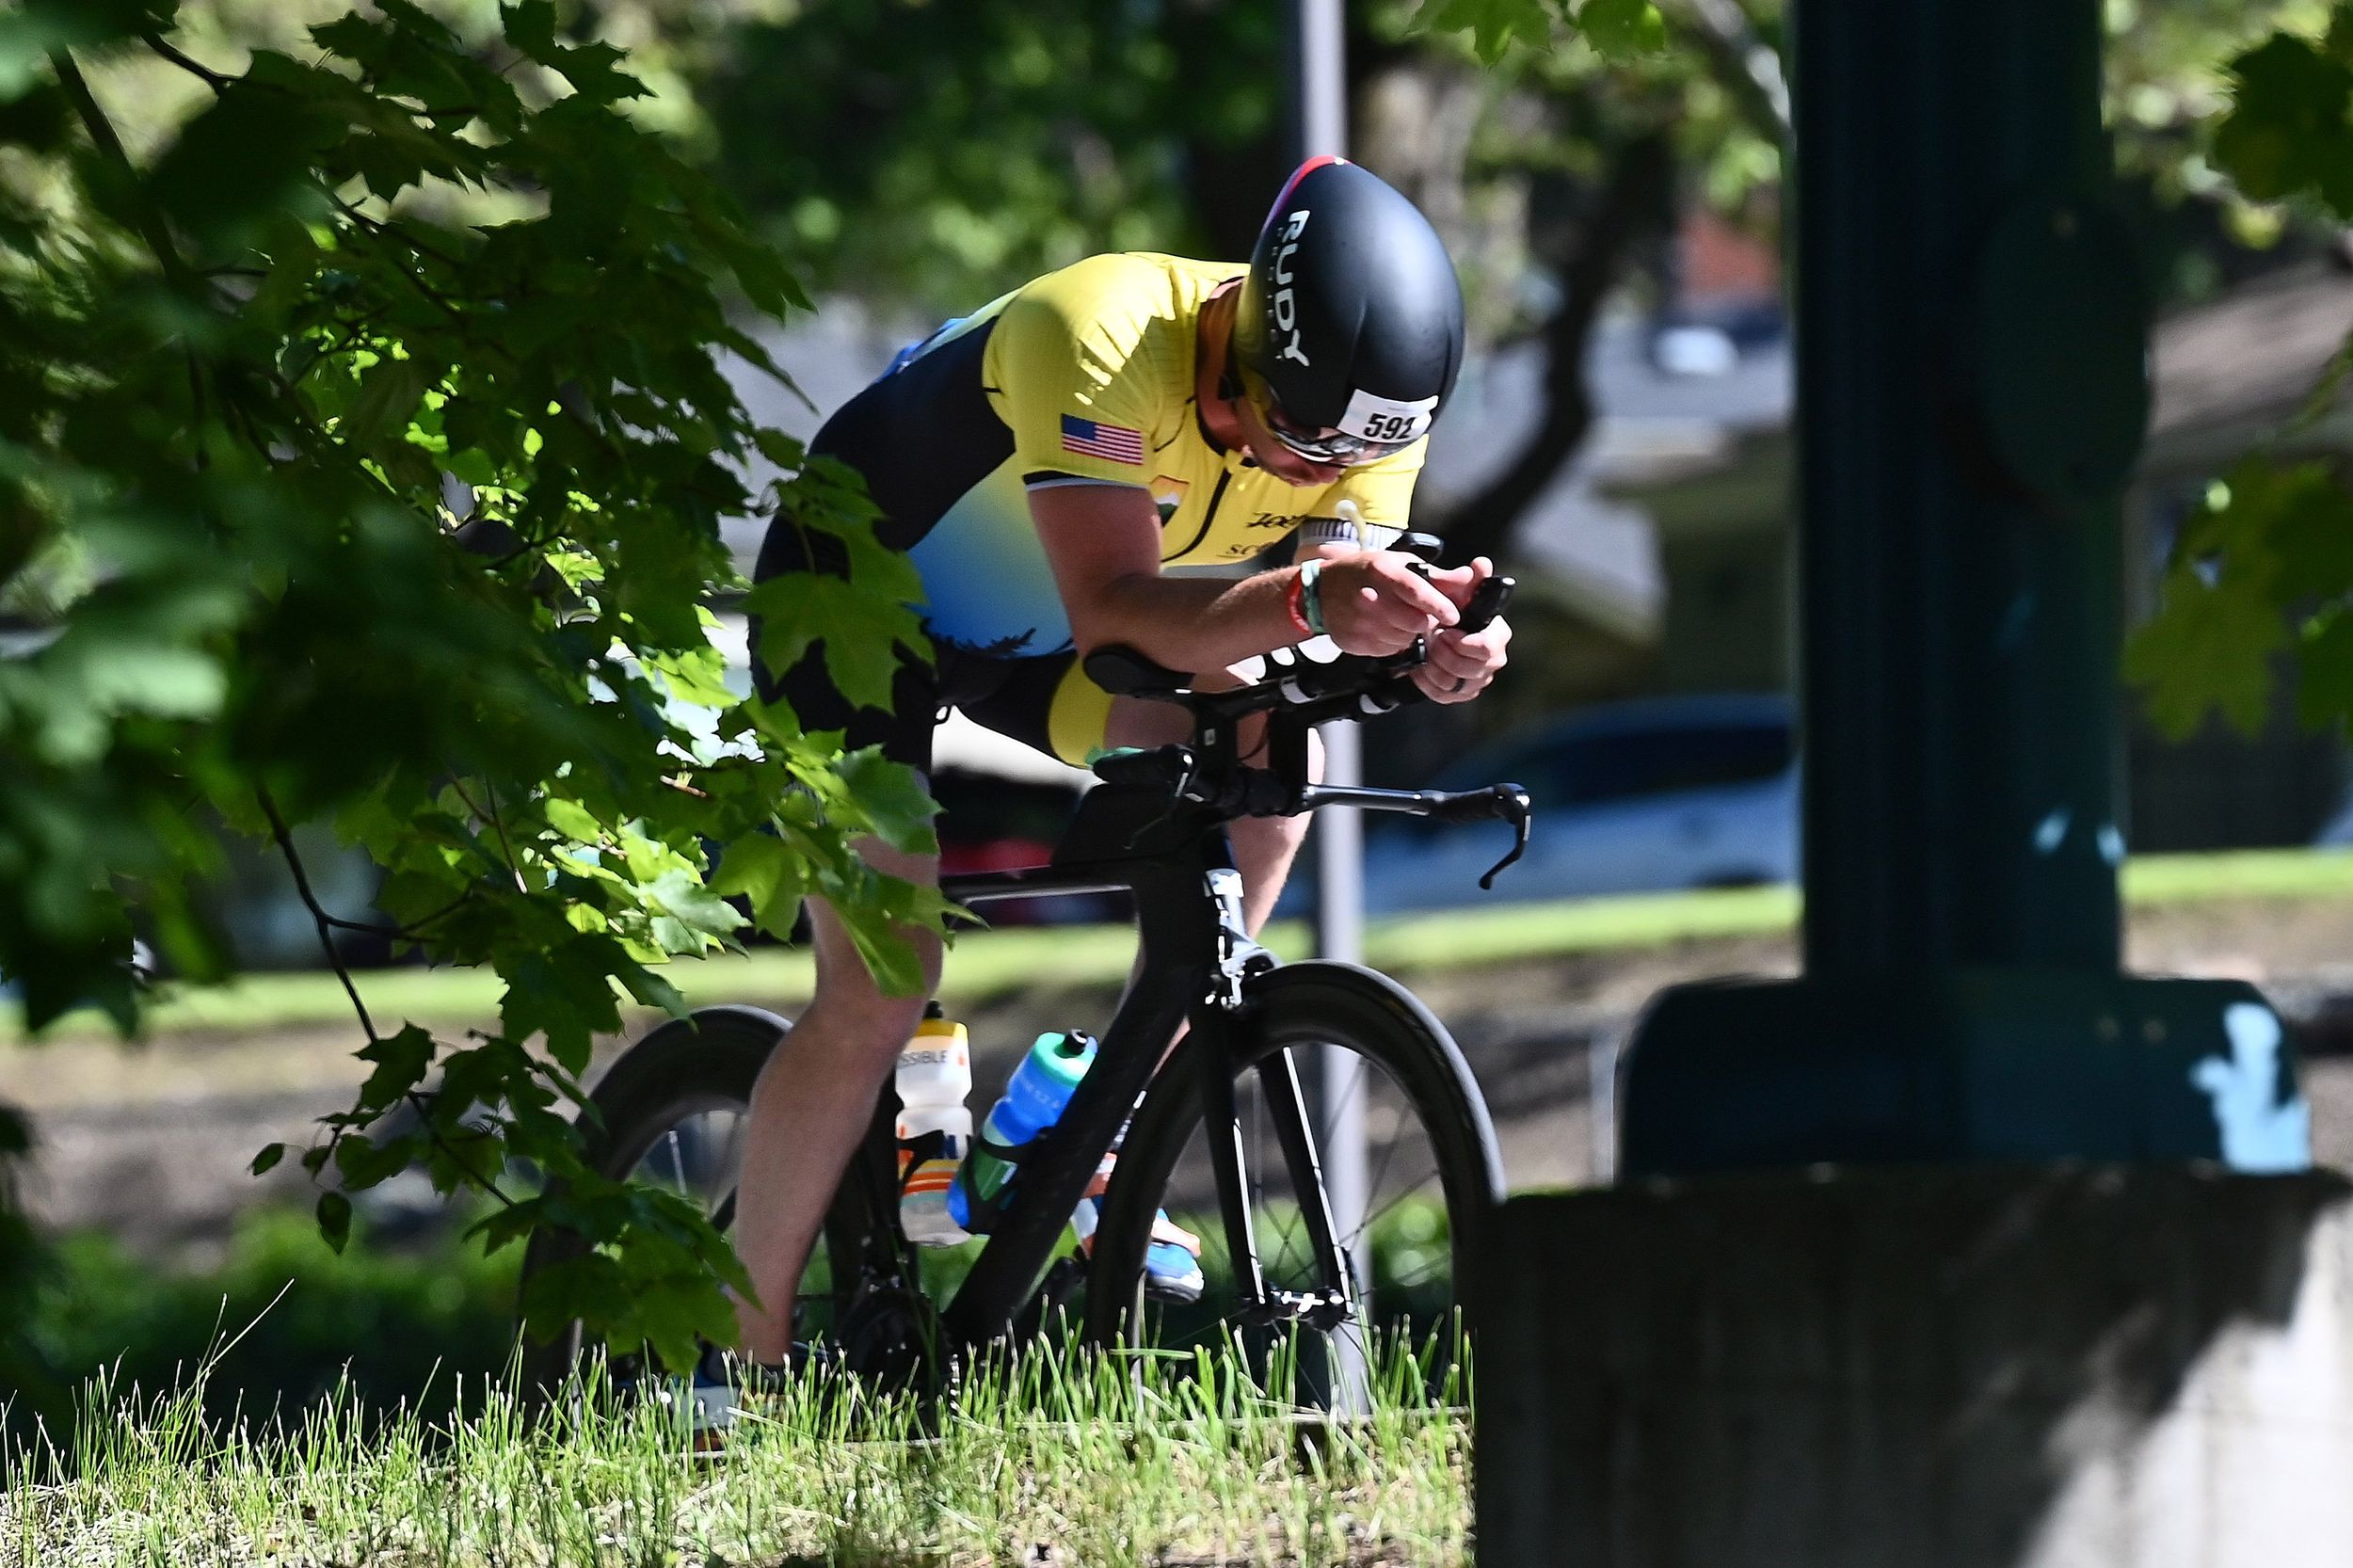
x: 1220, y: 1134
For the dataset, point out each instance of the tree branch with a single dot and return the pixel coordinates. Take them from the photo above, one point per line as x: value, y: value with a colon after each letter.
x: 102, y: 135
x: 514, y: 866
x: 1638, y: 187
x: 423, y: 1109
x: 109, y: 145
x: 1746, y: 66
x: 324, y: 920
x: 217, y: 80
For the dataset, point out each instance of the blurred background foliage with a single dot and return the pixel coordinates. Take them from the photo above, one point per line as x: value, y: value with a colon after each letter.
x: 934, y: 152
x: 924, y: 156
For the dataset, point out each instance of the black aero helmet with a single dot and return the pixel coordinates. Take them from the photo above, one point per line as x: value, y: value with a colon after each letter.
x: 1351, y: 318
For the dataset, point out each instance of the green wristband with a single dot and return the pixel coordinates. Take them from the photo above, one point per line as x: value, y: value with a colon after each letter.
x: 1311, y: 596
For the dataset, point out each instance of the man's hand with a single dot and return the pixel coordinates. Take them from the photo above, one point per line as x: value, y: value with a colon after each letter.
x: 1462, y: 663
x: 1375, y: 604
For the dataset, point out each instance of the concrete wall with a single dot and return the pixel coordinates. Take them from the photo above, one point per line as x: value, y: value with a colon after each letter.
x: 2105, y: 1367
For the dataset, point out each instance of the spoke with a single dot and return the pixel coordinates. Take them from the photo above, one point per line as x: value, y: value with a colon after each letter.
x: 1278, y: 1271
x: 1374, y: 1217
x: 1396, y: 1136
x: 1417, y: 1277
x: 1257, y: 1140
x: 1295, y: 1251
x: 677, y: 1162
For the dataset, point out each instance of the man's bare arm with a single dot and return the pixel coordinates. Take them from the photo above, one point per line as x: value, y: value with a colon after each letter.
x: 1104, y: 544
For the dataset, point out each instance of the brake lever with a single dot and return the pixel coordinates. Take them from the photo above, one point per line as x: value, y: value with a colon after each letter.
x: 1486, y: 601
x: 1516, y: 807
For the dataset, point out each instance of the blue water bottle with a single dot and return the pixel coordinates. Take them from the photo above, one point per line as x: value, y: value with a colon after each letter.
x: 1032, y: 1101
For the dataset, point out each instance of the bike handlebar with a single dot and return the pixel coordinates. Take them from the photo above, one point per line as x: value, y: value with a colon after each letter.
x: 1304, y: 693
x: 1262, y: 792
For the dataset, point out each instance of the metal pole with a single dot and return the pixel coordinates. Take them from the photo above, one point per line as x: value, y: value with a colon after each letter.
x: 1601, y: 1084
x: 1319, y: 126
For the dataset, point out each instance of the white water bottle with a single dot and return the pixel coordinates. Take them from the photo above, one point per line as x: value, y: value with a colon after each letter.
x: 935, y: 1128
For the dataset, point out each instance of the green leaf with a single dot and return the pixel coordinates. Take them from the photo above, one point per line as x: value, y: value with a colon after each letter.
x: 267, y: 1160
x: 579, y: 1289
x: 2208, y: 648
x: 529, y: 29
x: 334, y: 1217
x: 2307, y: 523
x: 760, y: 867
x: 1619, y: 29
x: 679, y: 1314
x: 575, y: 821
x: 893, y: 799
x: 401, y: 1061
x: 683, y: 896
x: 363, y: 1163
x: 2288, y: 132
x: 876, y: 928
x: 248, y: 158
x: 652, y: 990
x: 564, y: 991
x: 1495, y: 25
x: 389, y: 395
x: 802, y: 609
x: 2324, y: 691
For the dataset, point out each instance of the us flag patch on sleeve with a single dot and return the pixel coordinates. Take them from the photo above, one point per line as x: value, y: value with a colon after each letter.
x: 1090, y: 439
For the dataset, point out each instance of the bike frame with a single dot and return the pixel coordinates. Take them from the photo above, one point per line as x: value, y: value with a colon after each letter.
x: 1196, y: 958
x: 1192, y: 946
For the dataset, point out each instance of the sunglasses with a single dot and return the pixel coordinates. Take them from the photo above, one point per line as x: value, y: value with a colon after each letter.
x: 1317, y: 445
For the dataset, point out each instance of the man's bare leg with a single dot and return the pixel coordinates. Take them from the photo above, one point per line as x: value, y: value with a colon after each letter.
x: 813, y: 1103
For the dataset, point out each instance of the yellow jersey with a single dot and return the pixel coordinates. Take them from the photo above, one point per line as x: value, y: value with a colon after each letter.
x: 1084, y: 376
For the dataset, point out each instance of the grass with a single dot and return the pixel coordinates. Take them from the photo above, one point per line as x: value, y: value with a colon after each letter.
x: 992, y: 964
x: 1096, y: 1460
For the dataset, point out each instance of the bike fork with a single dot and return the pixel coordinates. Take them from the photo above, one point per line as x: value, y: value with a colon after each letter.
x: 1286, y: 1103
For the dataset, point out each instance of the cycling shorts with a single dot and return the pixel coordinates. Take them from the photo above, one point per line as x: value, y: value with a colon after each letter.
x: 1044, y: 701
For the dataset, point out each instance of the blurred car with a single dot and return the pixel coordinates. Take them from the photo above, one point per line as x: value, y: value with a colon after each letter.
x: 1660, y: 794
x: 2337, y: 832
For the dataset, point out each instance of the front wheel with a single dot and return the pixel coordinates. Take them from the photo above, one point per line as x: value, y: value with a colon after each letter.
x: 1431, y: 1178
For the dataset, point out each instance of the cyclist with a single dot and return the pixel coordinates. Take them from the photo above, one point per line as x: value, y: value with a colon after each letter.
x: 1041, y: 462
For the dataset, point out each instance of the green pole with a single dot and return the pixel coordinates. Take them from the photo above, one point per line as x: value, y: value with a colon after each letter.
x: 1972, y: 394
x: 1958, y: 628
